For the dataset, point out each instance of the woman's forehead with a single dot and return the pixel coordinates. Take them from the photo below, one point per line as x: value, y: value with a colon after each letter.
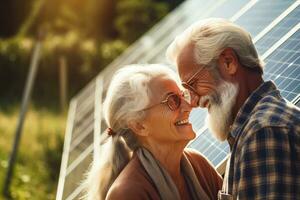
x: 163, y: 85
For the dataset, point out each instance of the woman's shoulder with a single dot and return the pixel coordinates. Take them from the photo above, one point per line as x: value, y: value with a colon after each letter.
x: 126, y: 190
x: 132, y: 183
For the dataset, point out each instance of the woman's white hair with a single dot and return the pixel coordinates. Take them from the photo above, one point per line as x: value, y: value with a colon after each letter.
x: 128, y: 94
x: 210, y: 37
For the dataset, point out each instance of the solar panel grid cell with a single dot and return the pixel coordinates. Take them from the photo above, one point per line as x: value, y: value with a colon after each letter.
x: 74, y: 179
x: 278, y: 31
x: 256, y: 19
x: 215, y: 151
x: 229, y: 8
x: 157, y: 55
x: 78, y: 149
x: 283, y: 67
x: 197, y: 118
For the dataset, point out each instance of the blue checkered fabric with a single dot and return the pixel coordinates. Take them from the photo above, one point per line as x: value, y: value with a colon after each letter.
x: 265, y: 157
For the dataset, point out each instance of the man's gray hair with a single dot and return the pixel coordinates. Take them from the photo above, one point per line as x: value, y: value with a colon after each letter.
x: 210, y: 37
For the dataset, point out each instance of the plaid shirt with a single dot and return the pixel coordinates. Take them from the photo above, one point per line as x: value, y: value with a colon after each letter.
x: 265, y: 157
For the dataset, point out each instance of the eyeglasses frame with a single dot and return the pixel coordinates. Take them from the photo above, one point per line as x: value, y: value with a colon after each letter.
x: 165, y: 101
x: 188, y: 84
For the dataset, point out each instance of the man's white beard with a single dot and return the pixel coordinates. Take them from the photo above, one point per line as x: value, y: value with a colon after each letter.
x: 219, y: 117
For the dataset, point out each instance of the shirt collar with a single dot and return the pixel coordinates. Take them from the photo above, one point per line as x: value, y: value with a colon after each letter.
x: 249, y: 105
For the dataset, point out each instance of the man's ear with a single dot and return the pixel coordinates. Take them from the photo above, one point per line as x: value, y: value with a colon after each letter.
x: 228, y: 62
x: 138, y: 128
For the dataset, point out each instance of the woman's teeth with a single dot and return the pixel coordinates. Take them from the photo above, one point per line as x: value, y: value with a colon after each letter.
x: 182, y: 122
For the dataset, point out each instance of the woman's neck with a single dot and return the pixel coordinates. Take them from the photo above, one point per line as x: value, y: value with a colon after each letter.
x: 169, y: 155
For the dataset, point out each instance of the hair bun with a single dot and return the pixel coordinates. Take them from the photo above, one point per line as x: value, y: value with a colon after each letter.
x: 110, y: 132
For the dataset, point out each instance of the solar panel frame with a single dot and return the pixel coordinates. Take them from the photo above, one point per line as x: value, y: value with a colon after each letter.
x: 280, y: 29
x: 281, y: 60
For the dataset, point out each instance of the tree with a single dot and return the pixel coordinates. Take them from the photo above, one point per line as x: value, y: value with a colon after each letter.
x: 134, y: 17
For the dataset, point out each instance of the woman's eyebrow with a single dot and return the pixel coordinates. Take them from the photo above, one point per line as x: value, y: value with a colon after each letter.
x: 169, y: 93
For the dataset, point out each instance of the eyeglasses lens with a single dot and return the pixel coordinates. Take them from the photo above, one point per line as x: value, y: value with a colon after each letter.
x: 174, y: 101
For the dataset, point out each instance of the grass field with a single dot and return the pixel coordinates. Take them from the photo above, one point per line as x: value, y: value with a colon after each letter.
x: 37, y: 168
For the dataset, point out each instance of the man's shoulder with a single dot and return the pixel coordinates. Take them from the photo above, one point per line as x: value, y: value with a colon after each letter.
x: 274, y: 111
x: 272, y: 114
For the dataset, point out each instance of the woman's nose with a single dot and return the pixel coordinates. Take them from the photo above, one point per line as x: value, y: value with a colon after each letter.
x: 186, y: 106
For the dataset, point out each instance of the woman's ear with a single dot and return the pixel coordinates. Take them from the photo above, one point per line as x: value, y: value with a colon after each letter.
x: 138, y: 128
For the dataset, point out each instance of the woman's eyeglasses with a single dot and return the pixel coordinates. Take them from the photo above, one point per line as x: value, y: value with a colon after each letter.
x: 173, y: 100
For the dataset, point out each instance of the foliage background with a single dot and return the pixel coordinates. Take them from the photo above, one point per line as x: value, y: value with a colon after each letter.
x: 88, y: 34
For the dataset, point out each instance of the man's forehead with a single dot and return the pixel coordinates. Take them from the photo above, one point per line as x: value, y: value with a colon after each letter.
x: 186, y: 63
x: 186, y: 73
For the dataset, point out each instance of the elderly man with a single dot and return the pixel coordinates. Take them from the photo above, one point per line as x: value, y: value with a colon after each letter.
x: 219, y: 65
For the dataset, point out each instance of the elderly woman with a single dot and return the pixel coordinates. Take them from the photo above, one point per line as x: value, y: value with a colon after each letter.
x: 143, y: 152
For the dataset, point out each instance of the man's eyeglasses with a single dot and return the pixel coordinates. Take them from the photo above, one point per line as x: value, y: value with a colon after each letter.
x: 173, y: 101
x: 194, y: 78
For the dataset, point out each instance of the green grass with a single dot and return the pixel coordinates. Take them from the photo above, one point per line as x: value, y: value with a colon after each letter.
x: 37, y: 167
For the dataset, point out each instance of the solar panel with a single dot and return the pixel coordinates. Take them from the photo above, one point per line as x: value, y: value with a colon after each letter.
x: 283, y: 66
x: 274, y: 27
x: 256, y: 19
x: 74, y: 179
x: 279, y: 29
x: 210, y: 147
x: 229, y: 8
x: 223, y: 9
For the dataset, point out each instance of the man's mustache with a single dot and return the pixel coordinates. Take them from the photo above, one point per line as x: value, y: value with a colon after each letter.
x: 214, y: 99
